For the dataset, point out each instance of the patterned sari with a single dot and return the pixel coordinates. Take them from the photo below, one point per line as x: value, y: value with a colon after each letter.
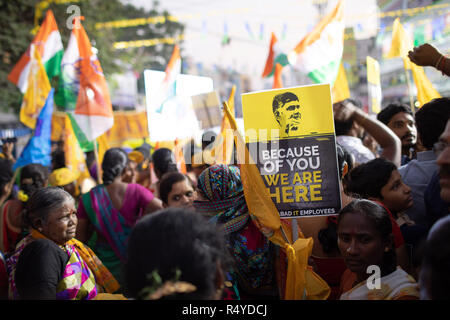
x: 224, y: 204
x: 397, y: 285
x: 109, y: 224
x: 84, y: 275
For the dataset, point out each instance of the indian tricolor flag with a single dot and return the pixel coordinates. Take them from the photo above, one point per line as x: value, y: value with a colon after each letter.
x: 169, y: 85
x: 87, y: 99
x: 48, y: 42
x: 319, y: 53
x: 275, y: 55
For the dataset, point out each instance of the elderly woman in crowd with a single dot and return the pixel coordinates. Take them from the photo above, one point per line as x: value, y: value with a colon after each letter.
x: 50, y: 263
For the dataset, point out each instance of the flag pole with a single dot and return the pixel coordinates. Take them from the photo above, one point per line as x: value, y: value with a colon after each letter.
x: 408, y: 81
x: 99, y: 179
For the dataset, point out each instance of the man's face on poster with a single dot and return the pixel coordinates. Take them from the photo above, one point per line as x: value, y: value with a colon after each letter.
x: 288, y: 116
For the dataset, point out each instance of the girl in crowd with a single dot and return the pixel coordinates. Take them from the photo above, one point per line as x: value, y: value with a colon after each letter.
x: 32, y: 178
x: 177, y: 190
x: 111, y: 210
x: 50, y: 263
x: 380, y: 181
x: 189, y: 262
x: 365, y: 240
x: 221, y: 200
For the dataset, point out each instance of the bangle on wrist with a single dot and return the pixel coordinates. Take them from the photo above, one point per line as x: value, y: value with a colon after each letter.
x: 439, y: 61
x: 441, y: 66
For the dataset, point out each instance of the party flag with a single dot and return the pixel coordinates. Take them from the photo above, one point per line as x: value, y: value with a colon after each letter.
x: 400, y: 45
x: 38, y: 88
x: 319, y: 53
x: 169, y: 84
x: 223, y: 145
x: 301, y: 281
x: 274, y: 56
x: 38, y: 148
x: 85, y: 91
x: 340, y: 90
x: 48, y: 43
x: 277, y: 81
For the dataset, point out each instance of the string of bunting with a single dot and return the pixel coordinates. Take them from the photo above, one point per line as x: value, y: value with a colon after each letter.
x: 146, y: 42
x: 160, y: 19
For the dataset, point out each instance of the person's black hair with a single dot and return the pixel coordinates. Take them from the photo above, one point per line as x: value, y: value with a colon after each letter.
x: 342, y: 128
x: 367, y: 179
x: 344, y: 157
x: 37, y: 173
x: 208, y: 139
x: 436, y: 261
x: 431, y: 120
x: 163, y: 161
x: 114, y: 162
x: 6, y: 173
x: 42, y: 202
x: 174, y: 240
x: 58, y: 159
x: 328, y: 237
x: 381, y: 222
x: 281, y: 99
x: 168, y: 180
x: 386, y: 114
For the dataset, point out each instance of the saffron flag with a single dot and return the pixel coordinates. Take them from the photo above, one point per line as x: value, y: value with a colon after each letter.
x: 274, y: 56
x: 277, y: 81
x: 169, y: 85
x: 38, y: 148
x: 48, y: 43
x: 38, y: 88
x: 319, y: 53
x: 400, y: 45
x: 85, y: 91
x: 301, y: 281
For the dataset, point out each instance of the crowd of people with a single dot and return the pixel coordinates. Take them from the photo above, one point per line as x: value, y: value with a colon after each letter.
x: 148, y: 231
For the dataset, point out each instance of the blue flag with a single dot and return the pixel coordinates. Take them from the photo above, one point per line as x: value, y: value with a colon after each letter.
x: 38, y: 148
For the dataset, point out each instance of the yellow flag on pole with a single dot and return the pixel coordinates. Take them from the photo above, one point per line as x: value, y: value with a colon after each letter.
x: 223, y: 149
x: 74, y: 156
x: 400, y: 45
x: 37, y: 91
x: 340, y: 90
x: 301, y: 282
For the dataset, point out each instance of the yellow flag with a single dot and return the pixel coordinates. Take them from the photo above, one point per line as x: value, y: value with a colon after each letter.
x: 425, y: 89
x: 301, y: 282
x: 103, y: 145
x: 37, y: 91
x: 374, y: 84
x: 223, y: 150
x: 74, y: 156
x: 400, y: 45
x: 340, y: 90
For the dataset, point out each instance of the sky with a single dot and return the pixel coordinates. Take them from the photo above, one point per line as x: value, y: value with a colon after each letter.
x: 249, y: 24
